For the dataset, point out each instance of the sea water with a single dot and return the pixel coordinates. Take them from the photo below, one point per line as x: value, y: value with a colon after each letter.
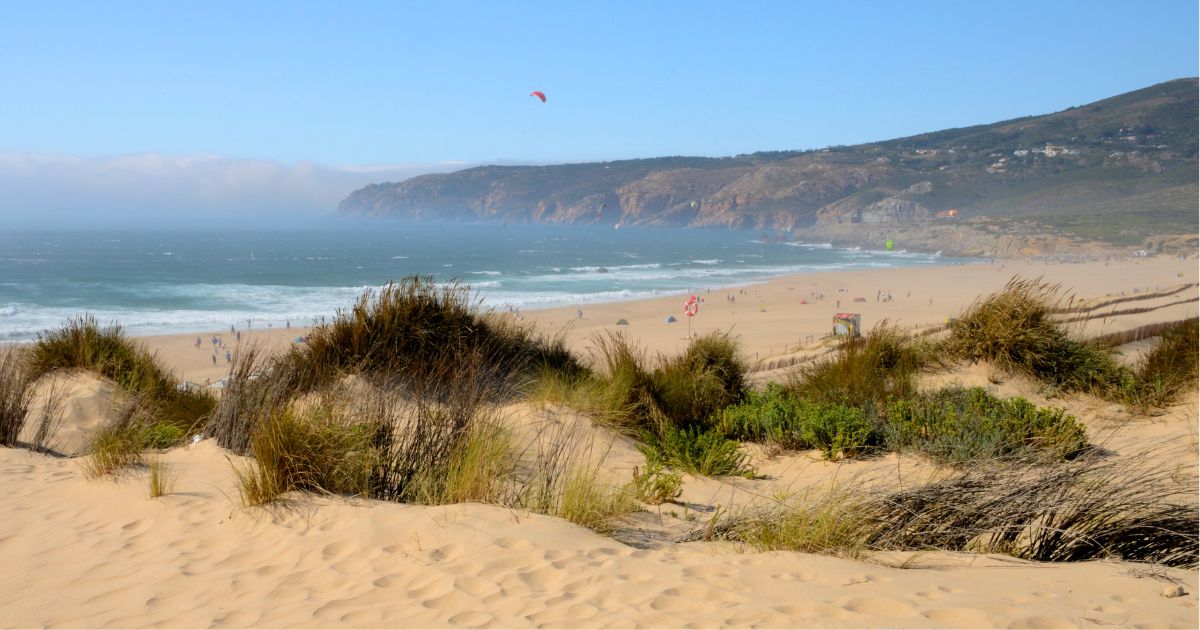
x: 186, y: 280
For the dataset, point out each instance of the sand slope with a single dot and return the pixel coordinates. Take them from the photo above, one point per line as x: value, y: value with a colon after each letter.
x: 85, y: 553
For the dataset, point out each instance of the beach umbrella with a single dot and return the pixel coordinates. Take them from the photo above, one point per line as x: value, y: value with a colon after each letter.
x: 622, y: 322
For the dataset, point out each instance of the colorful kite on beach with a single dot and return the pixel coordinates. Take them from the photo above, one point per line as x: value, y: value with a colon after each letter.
x: 889, y: 244
x: 539, y: 95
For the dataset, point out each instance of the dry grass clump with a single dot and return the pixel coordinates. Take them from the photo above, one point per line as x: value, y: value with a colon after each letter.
x: 307, y: 448
x: 16, y: 394
x: 671, y: 405
x: 416, y: 327
x: 1014, y: 329
x: 1086, y: 509
x: 1168, y: 370
x: 162, y: 481
x: 585, y: 500
x: 120, y: 442
x: 82, y: 344
x: 253, y: 390
x: 865, y: 372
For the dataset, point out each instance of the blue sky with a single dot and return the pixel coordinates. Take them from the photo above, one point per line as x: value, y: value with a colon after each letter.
x: 401, y: 83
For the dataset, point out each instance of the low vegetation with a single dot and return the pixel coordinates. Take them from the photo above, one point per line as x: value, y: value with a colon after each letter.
x: 82, y: 344
x: 1092, y: 508
x: 16, y: 395
x: 1015, y: 330
x: 956, y: 425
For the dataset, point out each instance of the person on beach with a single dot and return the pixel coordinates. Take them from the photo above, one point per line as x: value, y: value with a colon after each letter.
x: 228, y: 357
x: 214, y: 357
x: 197, y: 342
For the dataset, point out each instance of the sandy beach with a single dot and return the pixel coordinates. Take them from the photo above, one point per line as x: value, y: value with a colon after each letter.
x: 99, y: 553
x: 781, y: 317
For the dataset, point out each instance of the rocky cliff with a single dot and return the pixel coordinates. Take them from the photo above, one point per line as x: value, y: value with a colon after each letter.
x: 1118, y: 170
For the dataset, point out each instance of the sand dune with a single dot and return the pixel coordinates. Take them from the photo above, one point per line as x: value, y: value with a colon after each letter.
x: 100, y: 553
x: 82, y: 553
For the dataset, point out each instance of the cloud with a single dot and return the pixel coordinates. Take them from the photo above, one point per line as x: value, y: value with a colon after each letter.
x: 51, y: 188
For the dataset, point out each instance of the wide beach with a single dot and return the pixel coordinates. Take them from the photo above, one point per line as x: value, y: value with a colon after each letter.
x: 85, y: 552
x: 782, y: 317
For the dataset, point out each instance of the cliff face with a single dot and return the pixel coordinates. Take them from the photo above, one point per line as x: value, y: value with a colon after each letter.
x: 1131, y: 153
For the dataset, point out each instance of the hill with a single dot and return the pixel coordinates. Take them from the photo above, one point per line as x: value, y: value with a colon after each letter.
x: 1118, y: 171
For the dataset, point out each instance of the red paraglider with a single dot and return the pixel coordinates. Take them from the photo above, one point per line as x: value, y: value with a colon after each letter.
x: 539, y: 95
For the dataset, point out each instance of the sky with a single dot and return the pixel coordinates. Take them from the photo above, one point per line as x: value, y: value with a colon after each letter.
x: 400, y: 87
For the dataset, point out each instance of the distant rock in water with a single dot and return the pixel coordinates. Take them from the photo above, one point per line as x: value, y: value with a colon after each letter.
x: 602, y: 270
x: 1074, y: 173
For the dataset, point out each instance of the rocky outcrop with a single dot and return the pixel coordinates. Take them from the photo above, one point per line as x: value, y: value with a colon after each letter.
x: 1061, y: 166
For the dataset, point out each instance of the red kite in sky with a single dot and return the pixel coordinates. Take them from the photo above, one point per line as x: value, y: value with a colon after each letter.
x: 539, y: 95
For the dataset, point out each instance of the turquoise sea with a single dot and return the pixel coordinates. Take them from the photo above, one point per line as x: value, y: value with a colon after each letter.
x: 182, y: 280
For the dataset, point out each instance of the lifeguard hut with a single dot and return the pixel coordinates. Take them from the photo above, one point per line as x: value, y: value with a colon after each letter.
x: 847, y: 325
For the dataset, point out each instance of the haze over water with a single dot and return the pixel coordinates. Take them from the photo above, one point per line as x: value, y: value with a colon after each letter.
x: 180, y: 280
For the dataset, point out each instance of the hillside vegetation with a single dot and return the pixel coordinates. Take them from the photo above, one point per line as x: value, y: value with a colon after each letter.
x: 1117, y: 170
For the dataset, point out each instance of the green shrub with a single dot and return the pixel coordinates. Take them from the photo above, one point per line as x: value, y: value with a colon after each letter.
x: 838, y: 431
x: 955, y: 425
x: 773, y: 416
x: 706, y: 378
x: 657, y: 485
x: 161, y: 435
x: 696, y: 451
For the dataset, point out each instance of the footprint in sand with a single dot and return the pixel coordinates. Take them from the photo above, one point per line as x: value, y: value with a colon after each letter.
x: 447, y: 553
x: 335, y: 550
x: 710, y: 571
x: 1042, y: 621
x: 959, y: 617
x: 471, y: 618
x: 888, y: 607
x: 795, y: 576
x: 543, y: 578
x: 513, y: 544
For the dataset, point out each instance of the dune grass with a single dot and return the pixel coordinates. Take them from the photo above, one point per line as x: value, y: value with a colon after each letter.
x: 864, y: 372
x: 1091, y: 508
x: 417, y: 326
x: 307, y: 447
x: 1168, y: 370
x: 657, y: 485
x: 162, y: 481
x: 119, y: 443
x: 1014, y: 329
x: 16, y: 394
x: 82, y: 344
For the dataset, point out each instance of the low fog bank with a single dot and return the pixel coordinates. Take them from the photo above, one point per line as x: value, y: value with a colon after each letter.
x: 50, y: 191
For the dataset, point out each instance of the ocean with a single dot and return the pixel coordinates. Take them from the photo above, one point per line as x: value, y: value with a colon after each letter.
x: 185, y: 280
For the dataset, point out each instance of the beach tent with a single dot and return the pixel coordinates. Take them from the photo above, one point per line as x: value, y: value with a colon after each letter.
x: 847, y: 324
x: 860, y: 299
x: 622, y: 322
x: 299, y: 339
x: 803, y: 302
x: 671, y: 319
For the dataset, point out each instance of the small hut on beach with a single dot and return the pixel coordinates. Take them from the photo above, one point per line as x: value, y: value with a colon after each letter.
x: 847, y: 325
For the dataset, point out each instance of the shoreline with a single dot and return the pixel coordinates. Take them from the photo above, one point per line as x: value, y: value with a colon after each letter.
x: 769, y: 318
